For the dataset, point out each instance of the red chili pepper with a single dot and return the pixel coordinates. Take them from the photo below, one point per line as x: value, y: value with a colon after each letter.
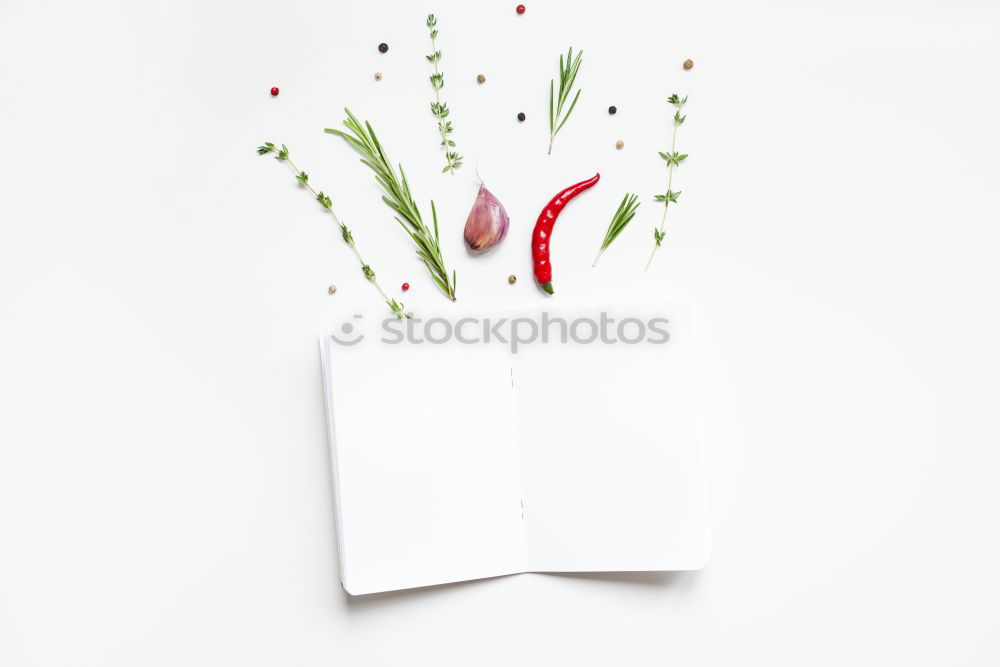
x: 541, y: 237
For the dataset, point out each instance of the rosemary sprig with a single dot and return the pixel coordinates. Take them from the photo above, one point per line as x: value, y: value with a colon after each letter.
x: 673, y: 160
x: 568, y: 70
x: 397, y: 196
x: 623, y: 216
x: 327, y: 203
x: 439, y: 108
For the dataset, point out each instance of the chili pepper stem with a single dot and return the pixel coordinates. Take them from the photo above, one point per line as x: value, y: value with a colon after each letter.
x: 547, y: 288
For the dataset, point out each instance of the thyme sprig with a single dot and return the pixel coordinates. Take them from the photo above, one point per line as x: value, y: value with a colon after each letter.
x: 623, y: 216
x: 568, y: 70
x: 438, y: 108
x: 673, y: 160
x: 398, y: 197
x: 327, y: 203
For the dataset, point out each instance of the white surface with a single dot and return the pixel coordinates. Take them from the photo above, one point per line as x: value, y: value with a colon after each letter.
x: 484, y: 460
x: 163, y: 502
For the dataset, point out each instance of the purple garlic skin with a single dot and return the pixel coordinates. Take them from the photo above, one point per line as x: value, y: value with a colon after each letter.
x: 487, y: 224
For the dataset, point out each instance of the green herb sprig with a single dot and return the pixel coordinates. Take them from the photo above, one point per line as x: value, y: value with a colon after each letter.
x: 438, y: 108
x: 568, y: 70
x: 327, y: 203
x: 673, y: 160
x: 397, y: 196
x: 623, y: 216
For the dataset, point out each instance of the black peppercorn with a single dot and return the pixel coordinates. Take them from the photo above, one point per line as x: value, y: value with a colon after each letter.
x: 383, y: 47
x: 612, y: 110
x: 521, y: 116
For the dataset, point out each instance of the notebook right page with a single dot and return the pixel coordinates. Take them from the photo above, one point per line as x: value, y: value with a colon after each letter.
x: 609, y: 422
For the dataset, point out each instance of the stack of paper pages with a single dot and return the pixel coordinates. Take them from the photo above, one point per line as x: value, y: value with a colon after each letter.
x: 481, y: 452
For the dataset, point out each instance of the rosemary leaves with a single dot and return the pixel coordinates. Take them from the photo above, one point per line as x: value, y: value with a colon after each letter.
x: 673, y: 160
x: 623, y: 216
x: 568, y: 70
x: 327, y: 203
x: 438, y: 108
x: 397, y: 196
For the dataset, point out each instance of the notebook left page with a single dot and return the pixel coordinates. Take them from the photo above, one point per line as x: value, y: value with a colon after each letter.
x: 425, y: 465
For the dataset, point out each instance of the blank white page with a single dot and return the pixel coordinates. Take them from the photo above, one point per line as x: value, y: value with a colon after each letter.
x: 425, y: 469
x: 611, y: 450
x: 455, y: 462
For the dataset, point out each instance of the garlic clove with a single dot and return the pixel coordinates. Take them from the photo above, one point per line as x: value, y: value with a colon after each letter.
x: 487, y: 223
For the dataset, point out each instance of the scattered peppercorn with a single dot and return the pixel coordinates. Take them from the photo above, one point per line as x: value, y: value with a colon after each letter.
x: 406, y: 287
x: 274, y: 92
x: 512, y: 279
x: 612, y: 110
x: 378, y: 76
x: 383, y: 47
x: 620, y: 144
x: 688, y: 64
x: 332, y: 289
x: 520, y: 9
x: 521, y: 116
x: 481, y: 79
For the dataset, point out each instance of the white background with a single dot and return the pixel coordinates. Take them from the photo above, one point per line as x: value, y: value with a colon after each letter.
x: 164, y: 491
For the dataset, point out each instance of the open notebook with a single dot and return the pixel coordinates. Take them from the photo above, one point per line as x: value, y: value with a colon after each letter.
x: 461, y: 460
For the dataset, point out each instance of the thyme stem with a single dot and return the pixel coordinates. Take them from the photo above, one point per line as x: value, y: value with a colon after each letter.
x: 439, y: 109
x: 325, y: 201
x: 673, y: 159
x: 666, y: 204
